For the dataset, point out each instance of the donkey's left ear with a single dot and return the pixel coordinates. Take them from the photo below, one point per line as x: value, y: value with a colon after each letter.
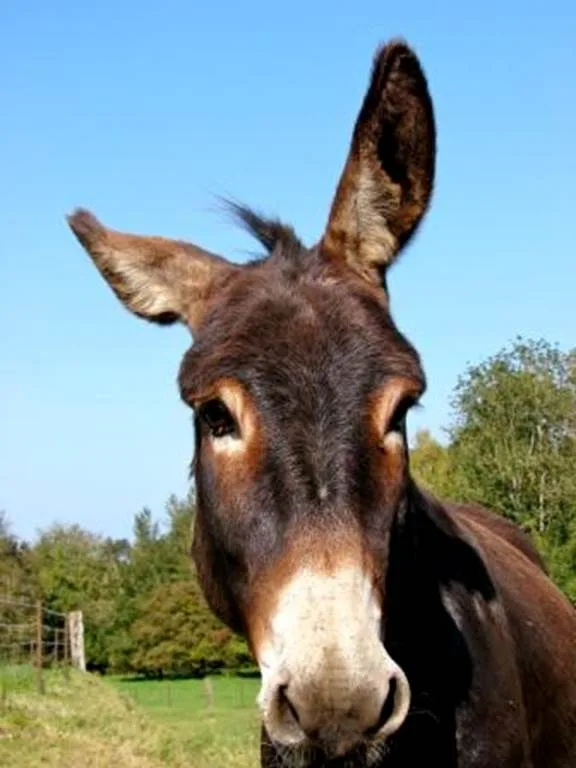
x: 387, y: 181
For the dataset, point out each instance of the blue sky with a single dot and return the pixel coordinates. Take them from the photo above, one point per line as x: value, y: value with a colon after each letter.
x: 145, y: 112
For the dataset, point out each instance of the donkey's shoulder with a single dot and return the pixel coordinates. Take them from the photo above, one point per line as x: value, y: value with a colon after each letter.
x: 474, y: 516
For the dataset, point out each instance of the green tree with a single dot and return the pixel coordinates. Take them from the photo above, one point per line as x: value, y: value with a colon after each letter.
x: 18, y: 592
x: 513, y: 439
x: 76, y: 569
x: 434, y: 467
x: 514, y: 435
x: 15, y: 566
x: 160, y: 555
x: 176, y: 634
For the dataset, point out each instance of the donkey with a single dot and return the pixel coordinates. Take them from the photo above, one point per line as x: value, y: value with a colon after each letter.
x: 391, y: 629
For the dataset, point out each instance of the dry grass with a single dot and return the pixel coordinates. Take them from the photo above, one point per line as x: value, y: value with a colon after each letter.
x: 83, y: 722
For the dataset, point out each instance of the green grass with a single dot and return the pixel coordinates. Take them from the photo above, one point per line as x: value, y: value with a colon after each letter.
x: 86, y: 722
x: 217, y: 722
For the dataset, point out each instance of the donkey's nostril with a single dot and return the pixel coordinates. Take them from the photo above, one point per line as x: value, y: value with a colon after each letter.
x: 387, y: 709
x: 283, y: 697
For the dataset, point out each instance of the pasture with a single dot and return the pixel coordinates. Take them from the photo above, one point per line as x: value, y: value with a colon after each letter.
x: 88, y: 722
x: 216, y: 723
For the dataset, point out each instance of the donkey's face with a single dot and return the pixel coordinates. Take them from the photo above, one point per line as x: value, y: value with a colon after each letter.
x: 300, y: 383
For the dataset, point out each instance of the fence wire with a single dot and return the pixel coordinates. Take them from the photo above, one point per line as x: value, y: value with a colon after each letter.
x: 32, y: 637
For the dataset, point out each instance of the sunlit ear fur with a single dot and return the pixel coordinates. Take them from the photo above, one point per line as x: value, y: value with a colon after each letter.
x: 387, y: 181
x: 156, y: 278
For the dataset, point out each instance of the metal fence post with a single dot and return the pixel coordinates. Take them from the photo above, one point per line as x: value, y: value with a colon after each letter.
x: 66, y: 647
x: 39, y: 642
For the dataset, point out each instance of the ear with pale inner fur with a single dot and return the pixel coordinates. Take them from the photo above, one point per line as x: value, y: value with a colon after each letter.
x: 156, y: 278
x: 387, y: 181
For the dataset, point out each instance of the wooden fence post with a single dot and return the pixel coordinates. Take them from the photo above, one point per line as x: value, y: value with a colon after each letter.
x: 39, y: 644
x: 76, y: 631
x: 209, y: 692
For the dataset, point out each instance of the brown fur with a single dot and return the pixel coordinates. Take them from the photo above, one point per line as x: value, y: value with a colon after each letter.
x: 322, y: 380
x: 388, y: 179
x: 501, y: 527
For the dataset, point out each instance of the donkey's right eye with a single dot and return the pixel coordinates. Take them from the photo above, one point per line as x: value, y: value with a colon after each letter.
x: 216, y: 417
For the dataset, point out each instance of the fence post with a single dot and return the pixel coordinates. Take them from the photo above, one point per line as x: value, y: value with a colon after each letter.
x: 209, y: 692
x: 39, y: 644
x: 76, y: 630
x: 66, y: 646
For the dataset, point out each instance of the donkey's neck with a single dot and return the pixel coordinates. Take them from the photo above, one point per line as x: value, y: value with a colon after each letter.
x: 420, y: 634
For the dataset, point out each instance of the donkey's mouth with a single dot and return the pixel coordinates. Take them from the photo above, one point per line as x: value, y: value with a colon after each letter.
x: 312, y: 756
x: 364, y: 754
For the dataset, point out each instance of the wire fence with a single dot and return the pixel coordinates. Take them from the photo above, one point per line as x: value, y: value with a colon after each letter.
x: 34, y: 638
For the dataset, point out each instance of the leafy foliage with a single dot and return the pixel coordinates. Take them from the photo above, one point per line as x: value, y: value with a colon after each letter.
x: 143, y: 608
x: 512, y: 447
x: 15, y: 563
x: 433, y: 466
x: 176, y: 634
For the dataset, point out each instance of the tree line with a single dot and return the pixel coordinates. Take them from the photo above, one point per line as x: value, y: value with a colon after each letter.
x: 143, y: 610
x: 510, y: 445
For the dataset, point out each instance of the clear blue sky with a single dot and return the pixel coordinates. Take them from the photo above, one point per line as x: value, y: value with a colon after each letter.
x: 145, y: 111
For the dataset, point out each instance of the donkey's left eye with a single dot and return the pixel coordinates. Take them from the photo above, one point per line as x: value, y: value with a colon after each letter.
x: 217, y: 418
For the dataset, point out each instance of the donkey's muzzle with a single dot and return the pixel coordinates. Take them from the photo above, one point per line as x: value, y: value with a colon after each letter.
x: 369, y: 714
x: 327, y: 679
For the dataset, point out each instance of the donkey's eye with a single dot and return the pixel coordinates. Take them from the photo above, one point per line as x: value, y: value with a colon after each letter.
x: 217, y: 418
x: 396, y: 423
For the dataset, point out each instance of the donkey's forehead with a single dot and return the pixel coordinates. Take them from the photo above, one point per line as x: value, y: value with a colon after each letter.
x: 277, y: 326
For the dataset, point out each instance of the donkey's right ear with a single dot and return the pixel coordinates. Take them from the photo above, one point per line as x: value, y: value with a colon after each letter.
x: 156, y: 278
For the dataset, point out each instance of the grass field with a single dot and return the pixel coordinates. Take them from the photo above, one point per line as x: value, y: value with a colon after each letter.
x: 212, y: 721
x: 86, y: 722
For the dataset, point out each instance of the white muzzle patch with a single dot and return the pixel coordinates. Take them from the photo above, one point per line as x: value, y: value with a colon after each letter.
x: 326, y: 675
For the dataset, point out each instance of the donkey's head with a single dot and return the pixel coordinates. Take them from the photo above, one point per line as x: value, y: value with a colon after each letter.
x: 300, y: 383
